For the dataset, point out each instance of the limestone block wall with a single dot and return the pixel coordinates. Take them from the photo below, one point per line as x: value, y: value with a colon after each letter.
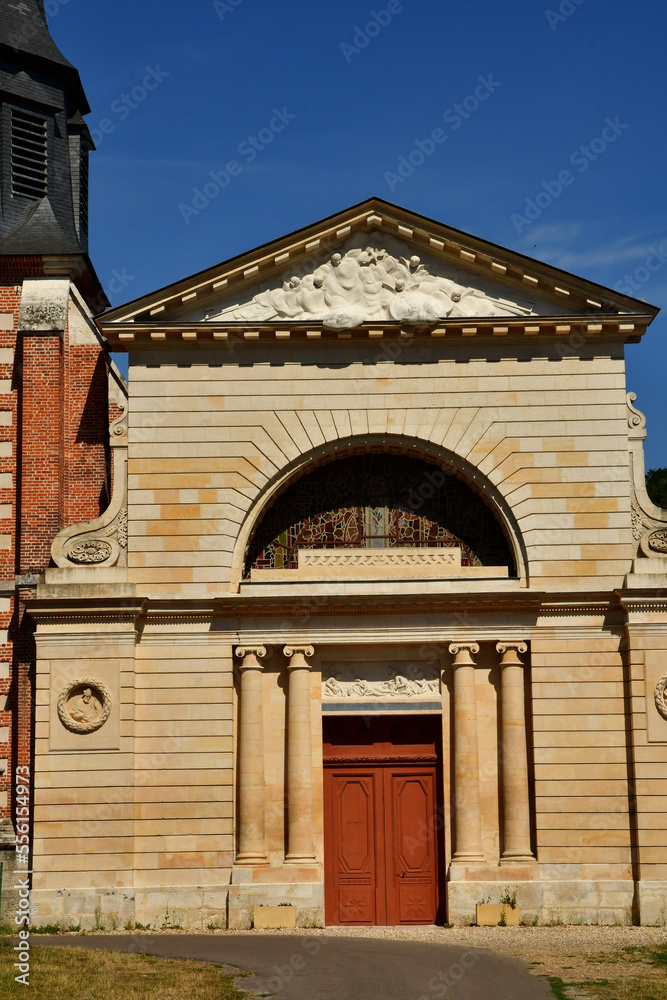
x: 582, y: 805
x: 183, y: 847
x: 647, y: 664
x: 210, y: 429
x: 83, y: 834
x: 134, y: 822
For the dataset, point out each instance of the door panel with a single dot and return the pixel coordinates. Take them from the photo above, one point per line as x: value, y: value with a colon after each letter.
x: 381, y: 857
x: 351, y: 889
x: 412, y: 864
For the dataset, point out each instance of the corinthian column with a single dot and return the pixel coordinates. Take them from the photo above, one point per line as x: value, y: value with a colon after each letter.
x: 300, y: 827
x: 250, y: 796
x: 514, y: 756
x: 467, y: 821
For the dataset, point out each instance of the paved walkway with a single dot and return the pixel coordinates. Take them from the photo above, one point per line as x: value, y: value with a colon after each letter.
x: 298, y: 967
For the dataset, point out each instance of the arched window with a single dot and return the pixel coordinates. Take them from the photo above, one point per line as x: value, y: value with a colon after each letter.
x: 378, y: 501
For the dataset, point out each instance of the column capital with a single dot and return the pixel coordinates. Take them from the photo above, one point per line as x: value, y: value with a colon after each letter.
x: 463, y: 653
x: 510, y: 653
x: 297, y: 656
x: 251, y: 655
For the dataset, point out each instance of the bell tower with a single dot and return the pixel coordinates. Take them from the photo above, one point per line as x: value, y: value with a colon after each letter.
x: 45, y: 148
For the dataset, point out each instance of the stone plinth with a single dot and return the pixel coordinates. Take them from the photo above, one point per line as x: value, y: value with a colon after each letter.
x: 492, y: 914
x: 271, y: 917
x: 300, y: 889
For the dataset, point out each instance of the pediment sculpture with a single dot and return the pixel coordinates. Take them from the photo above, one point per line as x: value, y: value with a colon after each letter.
x: 381, y: 282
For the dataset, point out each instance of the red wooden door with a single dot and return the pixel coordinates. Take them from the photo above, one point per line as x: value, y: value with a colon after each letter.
x: 382, y: 852
x: 411, y: 846
x: 356, y: 866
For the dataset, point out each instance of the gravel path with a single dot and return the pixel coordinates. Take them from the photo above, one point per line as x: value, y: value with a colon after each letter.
x: 572, y: 952
x: 548, y: 950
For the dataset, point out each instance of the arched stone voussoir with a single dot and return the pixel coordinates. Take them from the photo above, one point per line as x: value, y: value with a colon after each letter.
x: 370, y: 443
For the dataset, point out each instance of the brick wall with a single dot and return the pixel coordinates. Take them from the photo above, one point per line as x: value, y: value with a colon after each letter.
x: 54, y: 471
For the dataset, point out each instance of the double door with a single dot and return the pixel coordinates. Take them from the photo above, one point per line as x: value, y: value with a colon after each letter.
x: 381, y: 844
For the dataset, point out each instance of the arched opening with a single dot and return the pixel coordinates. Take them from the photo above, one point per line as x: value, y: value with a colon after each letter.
x: 378, y: 500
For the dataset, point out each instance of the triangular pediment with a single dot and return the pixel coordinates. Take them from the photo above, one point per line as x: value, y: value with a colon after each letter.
x: 374, y: 263
x: 373, y: 277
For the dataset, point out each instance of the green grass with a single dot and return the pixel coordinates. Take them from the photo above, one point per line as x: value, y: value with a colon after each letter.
x: 557, y: 987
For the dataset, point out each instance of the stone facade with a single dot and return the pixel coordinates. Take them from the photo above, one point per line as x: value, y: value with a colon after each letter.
x: 377, y: 332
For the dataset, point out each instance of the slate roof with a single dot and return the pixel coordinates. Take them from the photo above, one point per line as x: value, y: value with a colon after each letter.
x: 35, y: 73
x: 25, y: 39
x: 23, y: 28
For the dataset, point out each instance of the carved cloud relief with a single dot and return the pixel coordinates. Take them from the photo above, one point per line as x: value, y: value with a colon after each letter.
x: 377, y: 278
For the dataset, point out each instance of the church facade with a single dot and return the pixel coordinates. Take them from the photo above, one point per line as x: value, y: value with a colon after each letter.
x: 373, y: 622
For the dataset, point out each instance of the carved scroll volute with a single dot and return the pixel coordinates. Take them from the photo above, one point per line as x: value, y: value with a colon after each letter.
x: 297, y: 655
x: 636, y: 419
x: 649, y: 522
x: 118, y: 429
x: 101, y: 542
x: 463, y: 653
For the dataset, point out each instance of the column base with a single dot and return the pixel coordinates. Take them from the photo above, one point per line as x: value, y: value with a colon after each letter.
x: 302, y: 860
x: 468, y: 858
x: 251, y: 858
x: 517, y: 859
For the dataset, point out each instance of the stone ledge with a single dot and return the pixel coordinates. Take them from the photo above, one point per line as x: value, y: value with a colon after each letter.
x: 437, y: 563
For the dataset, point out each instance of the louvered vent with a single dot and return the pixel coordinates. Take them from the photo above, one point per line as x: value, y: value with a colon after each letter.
x: 83, y: 193
x: 29, y: 159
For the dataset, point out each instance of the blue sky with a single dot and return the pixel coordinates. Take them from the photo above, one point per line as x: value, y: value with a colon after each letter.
x: 572, y: 89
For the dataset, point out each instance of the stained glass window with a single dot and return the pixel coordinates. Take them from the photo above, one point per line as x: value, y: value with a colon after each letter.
x: 378, y: 501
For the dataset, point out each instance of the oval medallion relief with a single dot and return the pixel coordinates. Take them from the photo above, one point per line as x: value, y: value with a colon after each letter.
x: 84, y: 705
x: 661, y: 696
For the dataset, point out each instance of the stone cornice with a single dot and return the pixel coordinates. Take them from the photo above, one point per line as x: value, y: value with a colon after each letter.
x: 458, y: 609
x: 47, y: 612
x: 643, y: 602
x: 621, y: 328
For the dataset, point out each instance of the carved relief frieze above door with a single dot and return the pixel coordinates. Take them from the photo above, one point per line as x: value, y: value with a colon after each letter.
x: 382, y: 681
